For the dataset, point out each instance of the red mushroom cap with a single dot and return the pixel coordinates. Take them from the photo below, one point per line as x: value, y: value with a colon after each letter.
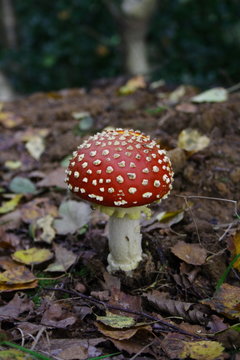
x: 120, y: 168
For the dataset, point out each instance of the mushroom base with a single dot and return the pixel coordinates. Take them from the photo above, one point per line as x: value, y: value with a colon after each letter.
x: 124, y: 244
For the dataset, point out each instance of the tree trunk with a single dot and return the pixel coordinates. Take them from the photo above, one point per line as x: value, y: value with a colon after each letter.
x: 8, y: 24
x: 9, y: 40
x: 133, y: 17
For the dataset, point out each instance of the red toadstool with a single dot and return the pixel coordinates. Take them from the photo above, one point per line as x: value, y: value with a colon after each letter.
x: 121, y: 171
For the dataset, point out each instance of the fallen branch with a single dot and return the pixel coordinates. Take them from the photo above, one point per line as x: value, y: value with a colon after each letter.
x: 165, y: 324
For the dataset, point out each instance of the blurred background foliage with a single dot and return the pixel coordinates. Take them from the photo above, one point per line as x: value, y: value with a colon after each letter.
x: 63, y: 44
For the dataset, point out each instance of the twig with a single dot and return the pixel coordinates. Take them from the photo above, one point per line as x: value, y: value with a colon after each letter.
x: 129, y: 311
x: 213, y: 198
x: 140, y: 351
x: 40, y: 332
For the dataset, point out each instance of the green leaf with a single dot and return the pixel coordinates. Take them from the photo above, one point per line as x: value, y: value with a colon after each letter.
x: 21, y: 185
x: 116, y: 321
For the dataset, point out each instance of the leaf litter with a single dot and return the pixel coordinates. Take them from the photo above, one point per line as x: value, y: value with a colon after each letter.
x: 53, y: 257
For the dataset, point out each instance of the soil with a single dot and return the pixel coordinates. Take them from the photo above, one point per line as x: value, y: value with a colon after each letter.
x: 206, y: 190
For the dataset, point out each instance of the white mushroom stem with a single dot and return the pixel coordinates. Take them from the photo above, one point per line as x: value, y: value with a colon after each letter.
x: 124, y: 244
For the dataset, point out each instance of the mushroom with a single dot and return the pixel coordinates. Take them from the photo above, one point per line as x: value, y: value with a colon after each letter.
x: 121, y: 172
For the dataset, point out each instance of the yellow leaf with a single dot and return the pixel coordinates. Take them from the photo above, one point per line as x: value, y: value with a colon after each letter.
x: 35, y: 147
x: 13, y: 165
x: 9, y: 119
x: 192, y: 140
x: 32, y: 256
x: 18, y: 287
x: 116, y: 321
x: 171, y: 217
x: 201, y: 350
x: 47, y: 231
x: 137, y: 82
x: 10, y: 205
x: 225, y: 301
x: 234, y: 247
x: 14, y: 355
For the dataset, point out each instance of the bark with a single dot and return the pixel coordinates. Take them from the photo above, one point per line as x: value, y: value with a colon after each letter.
x: 8, y: 22
x: 6, y: 91
x: 133, y: 18
x: 9, y: 41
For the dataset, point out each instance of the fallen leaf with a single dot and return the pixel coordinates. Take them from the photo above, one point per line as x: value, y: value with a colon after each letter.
x: 18, y: 274
x: 116, y: 321
x: 13, y: 165
x: 171, y: 217
x: 192, y: 254
x: 135, y: 83
x: 10, y: 120
x: 36, y: 209
x: 54, y: 178
x: 120, y: 334
x: 64, y: 259
x: 58, y: 316
x: 30, y: 133
x: 217, y: 94
x: 32, y: 256
x: 175, y: 346
x: 69, y: 349
x: 10, y: 205
x: 21, y: 185
x: 186, y: 310
x: 177, y: 94
x: 226, y: 301
x: 43, y: 229
x: 201, y: 350
x: 74, y: 215
x: 14, y: 355
x: 65, y: 161
x: 18, y: 287
x: 8, y: 240
x: 15, y: 307
x: 187, y: 108
x: 192, y: 140
x: 35, y: 147
x: 234, y: 248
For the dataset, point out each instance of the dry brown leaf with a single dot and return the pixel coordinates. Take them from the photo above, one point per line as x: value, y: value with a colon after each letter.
x: 136, y: 344
x: 58, y: 316
x: 192, y: 254
x: 69, y: 349
x: 120, y: 334
x: 176, y: 308
x: 15, y: 307
x: 37, y: 208
x: 63, y: 259
x: 8, y: 240
x: 54, y: 178
x: 187, y: 108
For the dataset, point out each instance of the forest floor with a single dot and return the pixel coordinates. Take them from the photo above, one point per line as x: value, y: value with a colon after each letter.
x: 57, y: 299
